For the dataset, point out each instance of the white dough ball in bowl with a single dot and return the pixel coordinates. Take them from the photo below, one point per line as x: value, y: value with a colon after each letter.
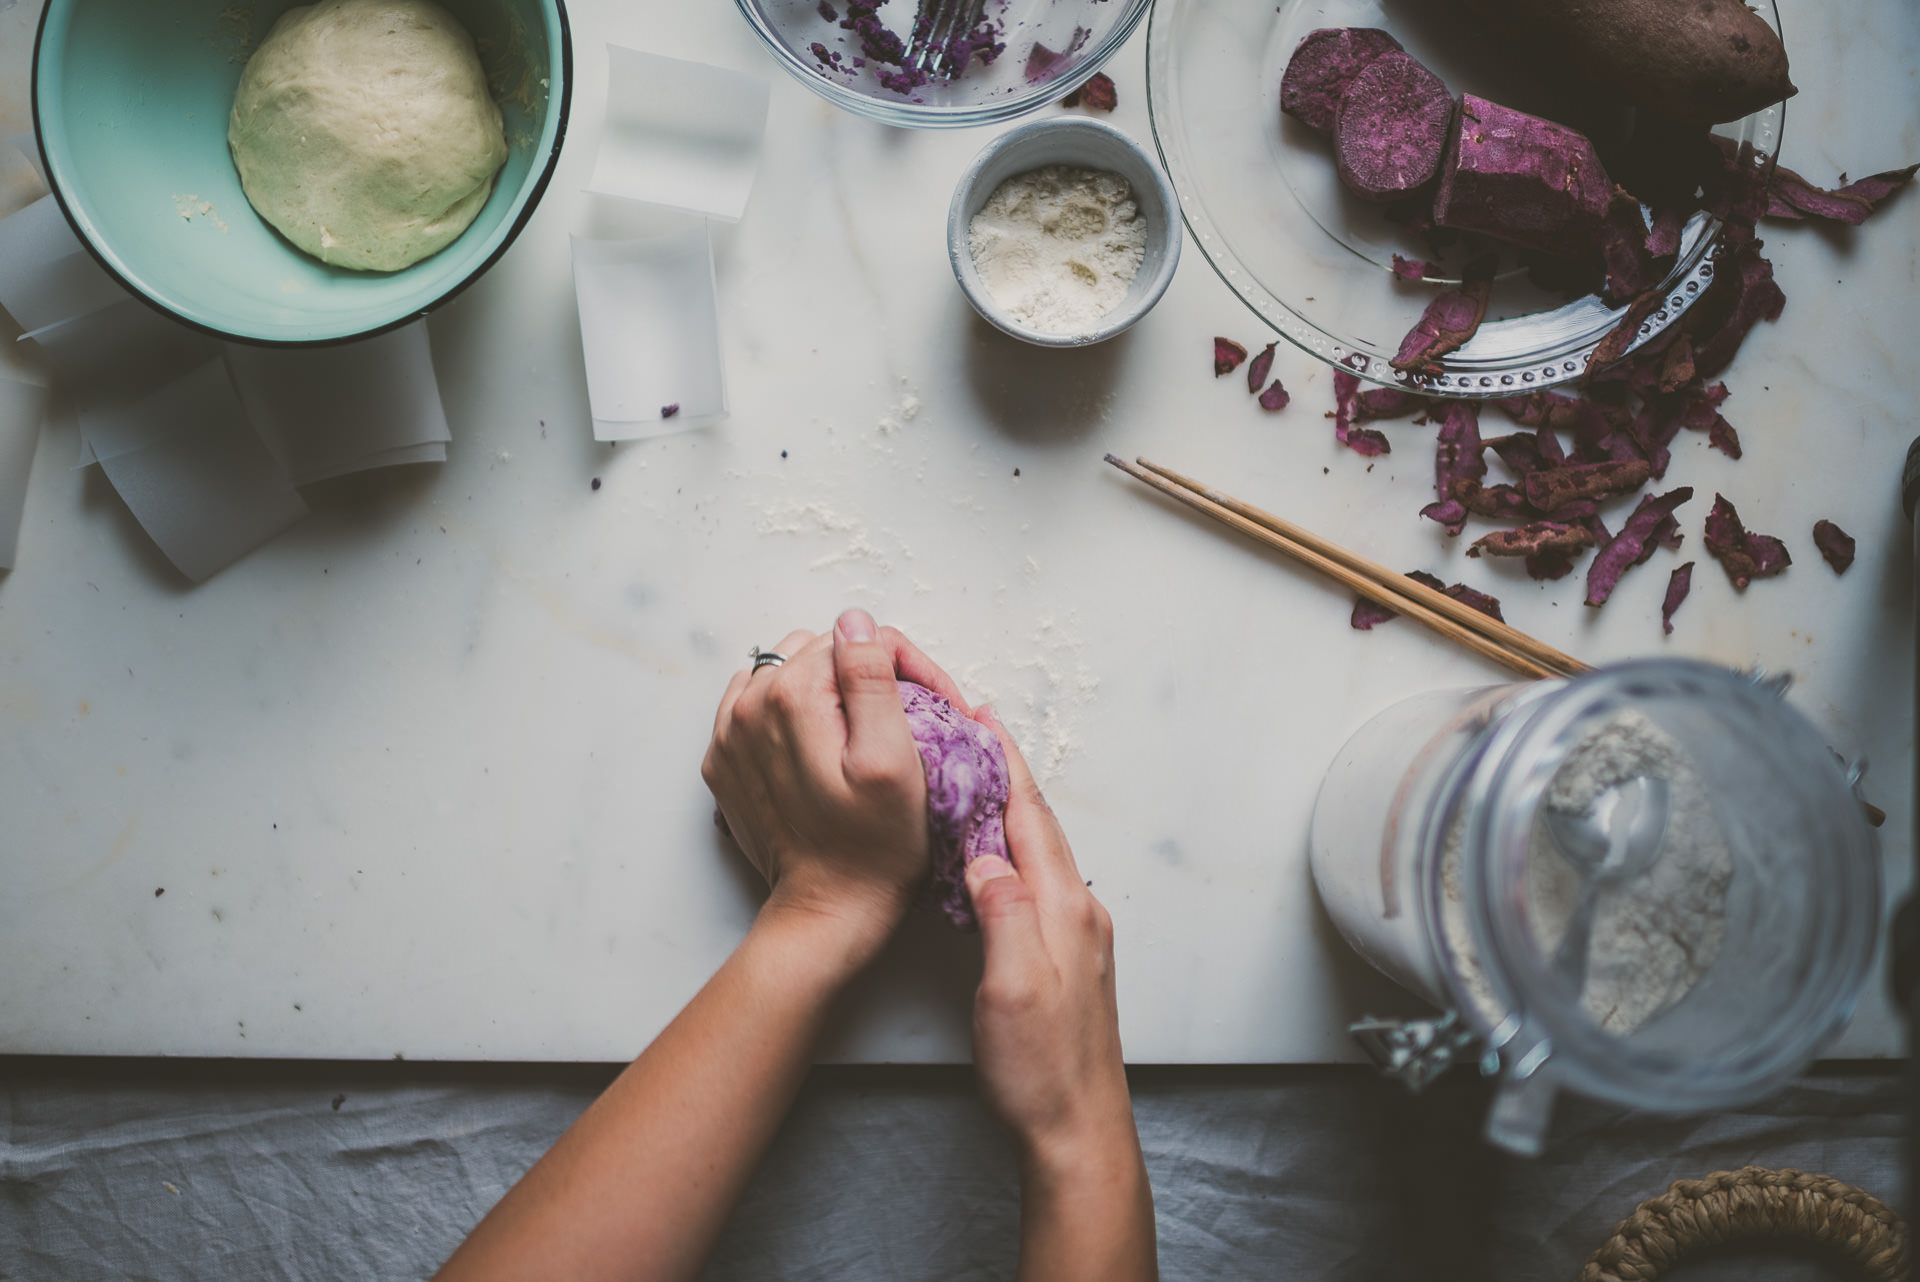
x: 364, y: 132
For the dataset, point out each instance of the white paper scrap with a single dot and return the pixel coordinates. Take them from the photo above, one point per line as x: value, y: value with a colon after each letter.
x: 650, y: 331
x: 46, y: 275
x: 120, y: 352
x: 29, y: 146
x: 327, y: 411
x: 22, y: 406
x: 205, y: 489
x: 680, y: 134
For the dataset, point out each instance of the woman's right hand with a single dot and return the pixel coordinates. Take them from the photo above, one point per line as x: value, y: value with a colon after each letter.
x: 1046, y: 1044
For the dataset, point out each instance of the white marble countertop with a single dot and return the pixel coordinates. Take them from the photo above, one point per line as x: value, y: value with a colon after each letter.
x: 421, y: 776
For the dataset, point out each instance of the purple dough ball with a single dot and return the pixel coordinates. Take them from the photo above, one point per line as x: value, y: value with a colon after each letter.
x: 966, y: 795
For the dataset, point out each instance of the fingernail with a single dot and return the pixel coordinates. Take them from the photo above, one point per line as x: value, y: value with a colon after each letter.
x: 988, y: 868
x: 857, y: 625
x: 986, y: 713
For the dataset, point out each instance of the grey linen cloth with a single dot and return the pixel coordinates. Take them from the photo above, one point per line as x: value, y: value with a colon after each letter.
x: 214, y: 1171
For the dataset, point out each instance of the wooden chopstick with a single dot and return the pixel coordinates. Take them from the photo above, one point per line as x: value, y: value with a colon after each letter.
x: 1459, y: 623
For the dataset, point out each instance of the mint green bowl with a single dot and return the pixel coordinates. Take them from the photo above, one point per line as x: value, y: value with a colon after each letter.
x: 130, y: 101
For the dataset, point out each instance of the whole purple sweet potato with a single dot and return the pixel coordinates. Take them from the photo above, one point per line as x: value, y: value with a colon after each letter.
x: 966, y: 794
x: 1522, y: 179
x: 1705, y: 61
x: 1392, y: 128
x: 1324, y: 63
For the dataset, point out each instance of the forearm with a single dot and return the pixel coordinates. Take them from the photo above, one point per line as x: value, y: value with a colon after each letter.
x: 640, y: 1185
x: 1086, y: 1211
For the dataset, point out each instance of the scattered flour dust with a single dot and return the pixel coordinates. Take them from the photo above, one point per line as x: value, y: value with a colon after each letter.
x: 1653, y: 938
x: 1058, y: 247
x: 1039, y: 698
x: 816, y: 517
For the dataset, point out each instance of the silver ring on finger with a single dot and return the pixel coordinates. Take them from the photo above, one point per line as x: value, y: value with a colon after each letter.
x: 764, y: 659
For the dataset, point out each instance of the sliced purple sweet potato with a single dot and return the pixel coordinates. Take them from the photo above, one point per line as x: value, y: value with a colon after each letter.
x: 1259, y: 367
x: 1835, y: 545
x: 1324, y: 63
x: 1275, y: 398
x: 1227, y: 356
x: 1676, y: 365
x: 1679, y: 583
x: 1553, y: 487
x: 1744, y: 555
x: 1411, y: 269
x: 1522, y: 179
x: 1791, y: 197
x: 1391, y: 130
x: 1449, y: 323
x: 1642, y: 533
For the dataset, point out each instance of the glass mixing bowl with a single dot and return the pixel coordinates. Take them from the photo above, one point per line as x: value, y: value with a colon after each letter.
x: 1259, y: 192
x: 1049, y: 48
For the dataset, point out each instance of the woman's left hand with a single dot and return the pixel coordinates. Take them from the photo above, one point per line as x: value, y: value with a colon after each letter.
x: 818, y: 777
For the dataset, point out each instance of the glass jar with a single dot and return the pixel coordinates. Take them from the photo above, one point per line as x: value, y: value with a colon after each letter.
x: 1650, y: 884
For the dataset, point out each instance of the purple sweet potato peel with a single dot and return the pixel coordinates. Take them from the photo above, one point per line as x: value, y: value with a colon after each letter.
x: 1744, y: 555
x: 967, y: 790
x: 1644, y: 531
x: 1679, y: 583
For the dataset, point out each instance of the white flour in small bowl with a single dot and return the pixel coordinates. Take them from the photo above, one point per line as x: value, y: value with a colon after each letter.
x: 1058, y: 247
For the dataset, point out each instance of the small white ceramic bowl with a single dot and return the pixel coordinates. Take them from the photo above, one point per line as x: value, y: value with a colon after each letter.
x: 1090, y: 144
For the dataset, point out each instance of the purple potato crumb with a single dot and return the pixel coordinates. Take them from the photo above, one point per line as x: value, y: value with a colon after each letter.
x: 1259, y: 368
x: 827, y: 11
x: 596, y: 482
x: 1835, y: 545
x: 967, y: 790
x: 668, y: 411
x: 1679, y: 583
x: 1275, y: 398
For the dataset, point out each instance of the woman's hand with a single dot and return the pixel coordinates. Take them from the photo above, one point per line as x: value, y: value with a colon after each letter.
x: 1046, y: 1043
x: 819, y: 779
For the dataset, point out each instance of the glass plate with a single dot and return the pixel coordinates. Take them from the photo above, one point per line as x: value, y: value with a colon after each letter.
x: 1259, y: 192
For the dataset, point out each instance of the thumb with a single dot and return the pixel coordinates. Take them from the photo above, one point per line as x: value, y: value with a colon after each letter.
x: 1009, y: 918
x: 870, y: 693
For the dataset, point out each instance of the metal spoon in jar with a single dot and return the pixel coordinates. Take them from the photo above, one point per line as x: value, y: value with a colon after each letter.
x: 1612, y: 842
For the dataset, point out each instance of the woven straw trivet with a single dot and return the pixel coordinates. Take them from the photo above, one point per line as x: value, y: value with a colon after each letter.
x: 1748, y: 1205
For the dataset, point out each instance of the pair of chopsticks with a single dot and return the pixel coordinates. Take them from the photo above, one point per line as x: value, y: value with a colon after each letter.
x: 1463, y: 624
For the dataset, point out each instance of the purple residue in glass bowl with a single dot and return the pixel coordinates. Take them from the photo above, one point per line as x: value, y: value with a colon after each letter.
x: 925, y: 57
